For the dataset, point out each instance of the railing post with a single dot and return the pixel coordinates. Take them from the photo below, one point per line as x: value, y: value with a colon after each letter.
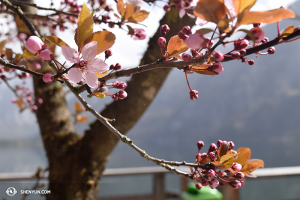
x: 159, y: 186
x: 230, y: 194
x: 184, y: 183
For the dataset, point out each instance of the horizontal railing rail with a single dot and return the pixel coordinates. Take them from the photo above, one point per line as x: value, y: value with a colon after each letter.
x: 158, y: 173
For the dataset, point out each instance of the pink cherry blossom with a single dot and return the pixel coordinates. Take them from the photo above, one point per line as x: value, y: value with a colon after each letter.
x: 195, y: 41
x: 88, y: 67
x: 34, y: 44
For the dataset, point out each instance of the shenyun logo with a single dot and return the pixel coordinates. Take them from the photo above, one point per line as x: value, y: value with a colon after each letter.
x: 11, y: 191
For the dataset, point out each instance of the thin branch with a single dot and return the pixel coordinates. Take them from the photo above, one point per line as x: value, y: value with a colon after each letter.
x: 7, y: 64
x: 57, y: 12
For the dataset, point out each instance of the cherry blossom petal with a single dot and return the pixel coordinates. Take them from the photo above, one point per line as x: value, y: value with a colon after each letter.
x: 89, y: 51
x: 75, y: 75
x: 91, y: 79
x: 200, y: 21
x: 70, y: 54
x: 98, y: 65
x: 181, y: 13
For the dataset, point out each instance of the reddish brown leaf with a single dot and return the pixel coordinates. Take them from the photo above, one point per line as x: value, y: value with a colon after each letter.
x: 244, y: 155
x: 2, y: 44
x: 138, y: 16
x: 201, y: 69
x: 56, y: 40
x: 105, y: 40
x: 224, y: 148
x: 203, y: 31
x: 241, y: 5
x: 8, y: 53
x: 270, y: 16
x: 121, y: 7
x: 210, y: 10
x: 129, y: 11
x: 22, y: 28
x: 19, y: 103
x: 251, y: 166
x: 78, y: 107
x: 102, y: 74
x: 205, y: 160
x: 218, y: 165
x: 227, y: 160
x: 287, y: 31
x: 85, y: 25
x: 175, y: 46
x: 81, y: 118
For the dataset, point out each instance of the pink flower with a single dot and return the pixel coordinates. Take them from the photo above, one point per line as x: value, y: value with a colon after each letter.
x: 88, y: 67
x: 139, y: 34
x: 195, y: 41
x: 34, y: 44
x: 46, y: 55
x: 48, y: 78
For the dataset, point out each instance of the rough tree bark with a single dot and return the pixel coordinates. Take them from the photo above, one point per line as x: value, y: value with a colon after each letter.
x: 76, y: 163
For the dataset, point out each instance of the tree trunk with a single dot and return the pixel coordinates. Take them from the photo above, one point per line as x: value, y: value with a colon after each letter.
x: 77, y: 163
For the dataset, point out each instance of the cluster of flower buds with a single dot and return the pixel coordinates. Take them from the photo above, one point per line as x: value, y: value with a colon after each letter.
x: 75, y: 7
x: 164, y: 29
x: 108, y: 53
x: 35, y: 45
x: 213, y: 174
x: 26, y: 95
x: 102, y: 92
x: 115, y: 67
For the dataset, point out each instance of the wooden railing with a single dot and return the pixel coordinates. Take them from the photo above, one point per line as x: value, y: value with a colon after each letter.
x: 158, y: 173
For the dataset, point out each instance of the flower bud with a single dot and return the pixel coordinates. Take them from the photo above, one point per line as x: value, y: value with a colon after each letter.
x: 200, y: 145
x: 216, y: 68
x: 187, y: 30
x: 107, y: 8
x: 161, y: 42
x: 198, y: 186
x: 212, y: 147
x: 122, y: 94
x: 194, y: 52
x: 244, y: 60
x: 204, y: 182
x: 243, y: 52
x: 194, y: 94
x: 167, y: 8
x: 164, y: 29
x: 117, y: 66
x: 182, y: 35
x: 251, y: 62
x: 198, y: 156
x: 240, y: 44
x: 48, y: 78
x: 219, y: 143
x: 271, y: 50
x: 186, y: 57
x: 34, y: 44
x: 213, y: 183
x: 218, y: 56
x: 211, y: 156
x: 235, y: 55
x: 222, y: 184
x: 211, y: 173
x: 258, y: 33
x: 236, y: 166
x: 235, y: 184
x: 46, y: 55
x: 108, y: 53
x: 239, y: 175
x: 111, y: 67
x: 231, y: 145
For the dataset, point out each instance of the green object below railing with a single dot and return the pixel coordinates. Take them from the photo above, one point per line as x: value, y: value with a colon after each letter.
x: 206, y: 193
